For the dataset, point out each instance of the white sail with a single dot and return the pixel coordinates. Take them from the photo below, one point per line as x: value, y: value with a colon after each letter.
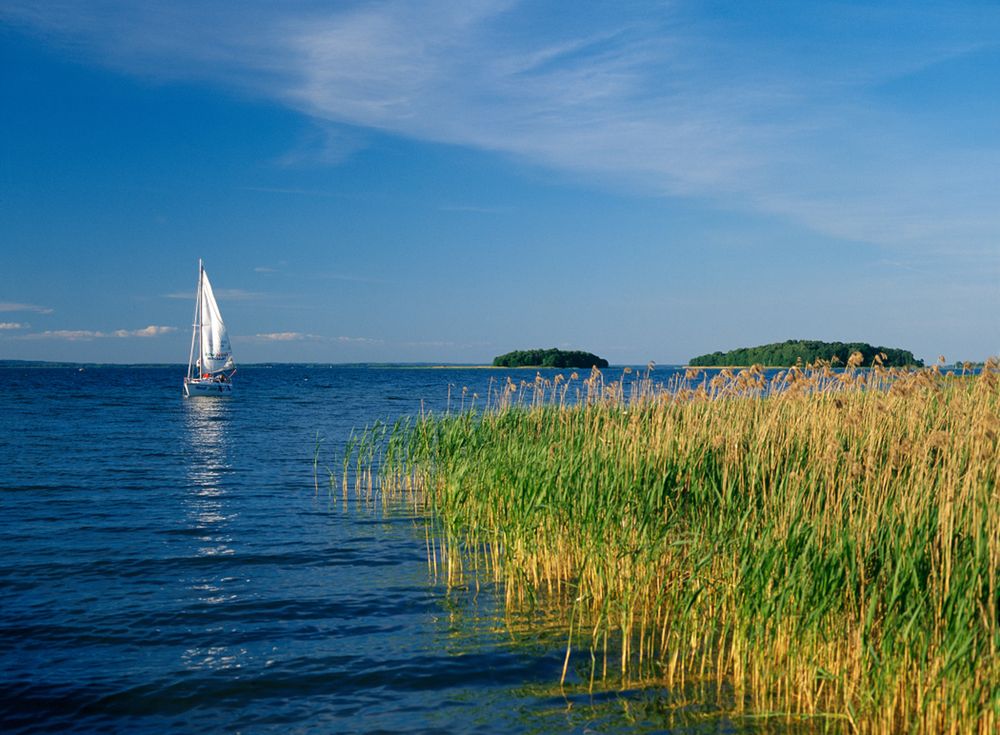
x: 216, y: 354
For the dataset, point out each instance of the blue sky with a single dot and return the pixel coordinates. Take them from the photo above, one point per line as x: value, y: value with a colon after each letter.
x: 395, y: 181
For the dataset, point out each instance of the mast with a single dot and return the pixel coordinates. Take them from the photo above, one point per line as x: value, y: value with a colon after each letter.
x: 197, y: 314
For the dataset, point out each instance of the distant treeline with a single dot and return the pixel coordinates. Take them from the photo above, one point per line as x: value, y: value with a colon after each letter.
x: 550, y: 358
x: 786, y: 354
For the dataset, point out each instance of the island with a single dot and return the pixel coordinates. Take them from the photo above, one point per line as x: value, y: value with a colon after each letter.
x: 551, y: 358
x: 786, y: 354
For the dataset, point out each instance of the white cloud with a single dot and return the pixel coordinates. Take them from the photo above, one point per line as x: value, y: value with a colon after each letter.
x: 223, y: 294
x: 278, y: 267
x: 13, y: 325
x: 151, y: 331
x: 655, y: 98
x: 11, y: 306
x: 74, y: 335
x: 326, y: 145
x: 304, y: 337
x: 283, y: 337
x: 238, y: 294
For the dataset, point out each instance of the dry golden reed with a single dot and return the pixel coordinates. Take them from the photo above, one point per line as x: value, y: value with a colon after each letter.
x: 825, y: 542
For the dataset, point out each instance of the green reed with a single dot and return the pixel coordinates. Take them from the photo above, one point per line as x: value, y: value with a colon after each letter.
x: 824, y: 543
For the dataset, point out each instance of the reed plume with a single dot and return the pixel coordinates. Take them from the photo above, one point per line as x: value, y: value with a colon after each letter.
x: 826, y: 543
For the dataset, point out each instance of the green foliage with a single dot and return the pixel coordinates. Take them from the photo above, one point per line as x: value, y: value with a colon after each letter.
x: 824, y: 548
x: 551, y: 358
x: 786, y: 354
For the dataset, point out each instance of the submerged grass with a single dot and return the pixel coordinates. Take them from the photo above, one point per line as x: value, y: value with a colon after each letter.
x: 818, y: 543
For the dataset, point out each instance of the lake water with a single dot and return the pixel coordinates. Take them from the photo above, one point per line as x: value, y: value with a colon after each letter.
x: 167, y: 565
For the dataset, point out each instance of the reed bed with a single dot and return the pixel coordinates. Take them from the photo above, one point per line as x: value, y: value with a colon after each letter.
x: 820, y: 543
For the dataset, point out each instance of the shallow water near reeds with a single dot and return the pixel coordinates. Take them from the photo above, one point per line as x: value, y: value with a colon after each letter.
x: 169, y: 565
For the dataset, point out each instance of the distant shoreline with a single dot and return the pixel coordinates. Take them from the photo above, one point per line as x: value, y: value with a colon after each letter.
x: 52, y: 364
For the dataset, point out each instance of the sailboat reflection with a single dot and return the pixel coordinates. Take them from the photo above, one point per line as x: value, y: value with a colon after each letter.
x: 209, y: 517
x: 208, y: 441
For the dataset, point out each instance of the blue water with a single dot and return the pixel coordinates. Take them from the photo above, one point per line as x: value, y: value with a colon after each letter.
x: 167, y: 565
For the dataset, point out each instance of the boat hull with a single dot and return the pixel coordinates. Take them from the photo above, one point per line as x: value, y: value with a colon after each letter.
x: 209, y: 388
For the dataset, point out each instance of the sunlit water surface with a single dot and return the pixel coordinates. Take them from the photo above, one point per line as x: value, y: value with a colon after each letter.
x: 167, y: 565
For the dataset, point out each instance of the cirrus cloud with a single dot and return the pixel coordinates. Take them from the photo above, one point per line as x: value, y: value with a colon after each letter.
x: 76, y: 335
x: 664, y: 98
x: 228, y: 294
x: 12, y: 306
x: 151, y: 331
x: 73, y: 335
x: 284, y: 337
x: 305, y: 337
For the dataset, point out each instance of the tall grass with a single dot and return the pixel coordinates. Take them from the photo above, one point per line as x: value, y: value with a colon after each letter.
x: 824, y: 543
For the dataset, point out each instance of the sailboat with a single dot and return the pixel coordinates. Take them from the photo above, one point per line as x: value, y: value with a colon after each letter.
x: 211, y: 374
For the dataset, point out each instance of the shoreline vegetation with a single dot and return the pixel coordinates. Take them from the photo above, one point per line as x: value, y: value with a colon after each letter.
x: 550, y: 358
x: 814, y: 544
x: 49, y: 364
x: 805, y: 352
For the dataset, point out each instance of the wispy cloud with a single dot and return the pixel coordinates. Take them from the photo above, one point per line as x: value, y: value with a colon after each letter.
x: 285, y: 337
x: 13, y: 325
x: 11, y: 306
x: 305, y: 337
x: 325, y: 145
x: 358, y: 340
x: 238, y: 294
x: 77, y: 335
x: 227, y: 294
x: 151, y: 331
x: 73, y: 335
x: 652, y: 97
x: 278, y: 267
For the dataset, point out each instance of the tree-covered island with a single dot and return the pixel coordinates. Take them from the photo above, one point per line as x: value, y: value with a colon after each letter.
x: 786, y: 354
x: 551, y: 358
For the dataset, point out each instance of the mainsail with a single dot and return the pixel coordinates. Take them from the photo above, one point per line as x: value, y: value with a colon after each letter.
x: 216, y: 354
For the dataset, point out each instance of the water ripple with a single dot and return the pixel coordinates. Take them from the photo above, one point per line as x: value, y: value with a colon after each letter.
x: 166, y: 565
